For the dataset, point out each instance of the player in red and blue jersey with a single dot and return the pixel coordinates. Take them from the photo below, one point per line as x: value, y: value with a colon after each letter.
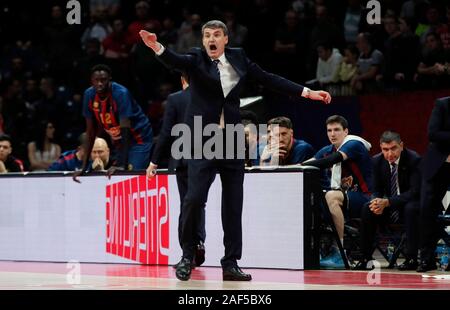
x: 350, y: 181
x: 110, y: 106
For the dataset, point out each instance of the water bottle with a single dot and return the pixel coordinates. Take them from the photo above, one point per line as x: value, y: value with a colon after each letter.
x: 390, y: 250
x: 439, y: 250
x: 443, y: 262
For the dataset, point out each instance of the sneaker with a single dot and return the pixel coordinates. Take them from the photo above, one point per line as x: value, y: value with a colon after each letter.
x: 333, y: 260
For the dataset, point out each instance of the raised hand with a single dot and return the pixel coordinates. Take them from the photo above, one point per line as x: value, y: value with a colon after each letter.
x: 150, y: 40
x: 320, y: 95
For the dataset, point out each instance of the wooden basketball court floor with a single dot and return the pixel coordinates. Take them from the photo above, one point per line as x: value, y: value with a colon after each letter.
x: 44, y: 276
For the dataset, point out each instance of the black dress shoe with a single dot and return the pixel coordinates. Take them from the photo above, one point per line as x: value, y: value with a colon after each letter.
x: 184, y: 268
x: 235, y: 274
x: 199, y: 257
x: 425, y: 266
x: 409, y: 264
x: 176, y: 265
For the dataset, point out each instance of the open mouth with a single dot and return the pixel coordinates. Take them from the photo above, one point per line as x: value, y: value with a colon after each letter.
x: 212, y: 47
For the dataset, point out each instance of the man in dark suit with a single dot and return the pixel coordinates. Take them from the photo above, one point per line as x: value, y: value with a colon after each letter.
x: 174, y: 114
x: 217, y: 75
x: 435, y: 181
x: 396, y: 183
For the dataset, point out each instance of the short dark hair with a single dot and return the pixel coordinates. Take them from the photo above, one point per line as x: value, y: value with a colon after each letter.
x: 326, y: 45
x: 281, y: 121
x: 388, y: 136
x: 337, y: 119
x: 248, y: 117
x: 215, y: 24
x: 5, y: 137
x: 101, y: 67
x: 185, y: 76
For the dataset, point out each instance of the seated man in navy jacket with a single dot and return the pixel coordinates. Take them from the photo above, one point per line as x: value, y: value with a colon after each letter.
x: 283, y: 148
x: 396, y: 183
x: 217, y: 76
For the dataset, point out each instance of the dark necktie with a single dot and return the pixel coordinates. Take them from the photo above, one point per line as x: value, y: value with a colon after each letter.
x: 394, y: 189
x: 216, y: 65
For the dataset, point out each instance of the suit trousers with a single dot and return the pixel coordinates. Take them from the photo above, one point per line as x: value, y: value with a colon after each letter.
x: 410, y: 215
x: 182, y: 183
x: 432, y: 193
x: 201, y: 174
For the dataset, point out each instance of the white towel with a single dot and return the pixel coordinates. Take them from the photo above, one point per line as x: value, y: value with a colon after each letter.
x: 336, y: 170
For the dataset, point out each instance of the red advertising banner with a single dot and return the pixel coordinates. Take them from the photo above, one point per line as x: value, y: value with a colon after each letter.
x: 137, y: 219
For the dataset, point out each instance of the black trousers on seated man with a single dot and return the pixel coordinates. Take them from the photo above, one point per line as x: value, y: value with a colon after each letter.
x: 370, y: 221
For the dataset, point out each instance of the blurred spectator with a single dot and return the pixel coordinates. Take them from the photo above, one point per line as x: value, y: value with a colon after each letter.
x: 15, y: 116
x: 252, y: 147
x: 302, y: 7
x: 346, y: 72
x: 409, y: 8
x: 8, y: 163
x: 99, y: 27
x: 51, y: 104
x: 400, y: 54
x: 73, y: 160
x: 289, y: 38
x: 433, y: 68
x: 444, y: 30
x: 117, y: 48
x: 100, y: 155
x: 42, y: 152
x: 82, y: 66
x: 143, y: 21
x: 16, y: 70
x: 143, y: 61
x: 192, y: 38
x: 60, y: 45
x: 352, y: 20
x: 169, y: 33
x: 328, y: 64
x: 370, y: 63
x: 325, y: 29
x: 283, y: 149
x: 112, y: 7
x: 237, y: 33
x: 428, y: 23
x: 155, y: 109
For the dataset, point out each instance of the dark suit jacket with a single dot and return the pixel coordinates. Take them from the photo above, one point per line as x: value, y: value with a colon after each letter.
x: 408, y: 178
x: 207, y: 97
x: 174, y: 114
x: 439, y: 137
